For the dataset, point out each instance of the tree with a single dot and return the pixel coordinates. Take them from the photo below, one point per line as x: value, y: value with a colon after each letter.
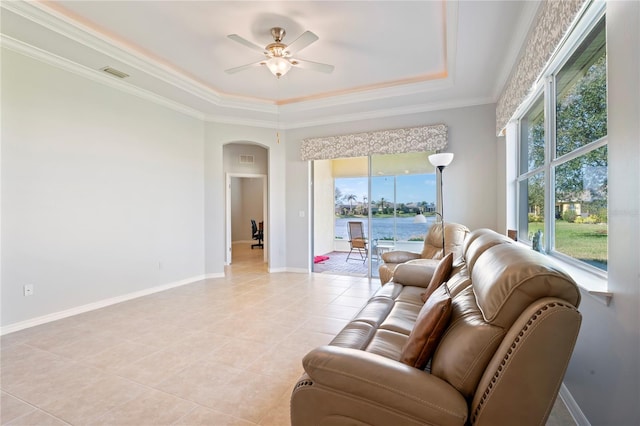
x: 581, y: 118
x: 382, y: 205
x: 365, y: 205
x: 350, y: 198
x: 337, y: 196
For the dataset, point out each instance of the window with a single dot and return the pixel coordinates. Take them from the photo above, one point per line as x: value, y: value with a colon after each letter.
x: 562, y: 173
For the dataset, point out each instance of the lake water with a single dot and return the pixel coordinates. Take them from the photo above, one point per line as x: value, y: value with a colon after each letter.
x: 384, y: 227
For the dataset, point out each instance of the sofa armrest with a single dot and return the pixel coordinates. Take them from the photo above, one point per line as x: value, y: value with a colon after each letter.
x: 415, y: 273
x: 399, y: 256
x: 387, y: 383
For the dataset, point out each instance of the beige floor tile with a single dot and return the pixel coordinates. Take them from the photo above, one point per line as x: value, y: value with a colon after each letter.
x: 223, y: 351
x: 155, y: 368
x: 114, y: 358
x: 200, y: 382
x: 324, y: 325
x: 240, y: 352
x: 88, y: 404
x: 37, y: 418
x: 201, y: 416
x: 44, y: 387
x: 279, y: 414
x: 151, y: 408
x: 86, y: 346
x: 11, y: 408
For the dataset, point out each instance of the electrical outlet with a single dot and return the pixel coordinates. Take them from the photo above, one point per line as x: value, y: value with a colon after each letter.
x: 28, y: 289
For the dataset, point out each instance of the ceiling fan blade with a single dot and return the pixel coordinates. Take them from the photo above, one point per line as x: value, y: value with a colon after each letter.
x: 243, y: 67
x: 305, y: 39
x: 245, y: 42
x: 315, y: 66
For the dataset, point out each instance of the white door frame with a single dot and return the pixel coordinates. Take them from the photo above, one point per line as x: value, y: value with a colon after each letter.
x: 228, y: 212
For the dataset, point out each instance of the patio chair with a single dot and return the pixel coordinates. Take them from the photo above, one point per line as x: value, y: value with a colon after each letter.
x: 357, y: 239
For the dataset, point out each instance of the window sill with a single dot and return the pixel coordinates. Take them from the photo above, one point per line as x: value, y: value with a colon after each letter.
x: 592, y: 283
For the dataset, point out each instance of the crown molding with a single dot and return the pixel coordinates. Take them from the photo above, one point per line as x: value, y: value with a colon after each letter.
x: 88, y: 37
x: 63, y: 25
x: 386, y: 112
x: 94, y: 75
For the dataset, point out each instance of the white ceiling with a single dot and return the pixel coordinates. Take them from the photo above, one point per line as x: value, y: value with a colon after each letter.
x: 390, y: 57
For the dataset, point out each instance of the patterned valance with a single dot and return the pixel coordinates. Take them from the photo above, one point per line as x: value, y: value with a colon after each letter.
x: 552, y: 24
x: 396, y: 141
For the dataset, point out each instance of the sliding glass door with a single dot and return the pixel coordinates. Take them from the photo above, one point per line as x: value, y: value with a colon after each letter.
x: 382, y: 195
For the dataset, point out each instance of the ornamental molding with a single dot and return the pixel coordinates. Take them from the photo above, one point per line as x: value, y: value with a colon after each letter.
x: 394, y: 141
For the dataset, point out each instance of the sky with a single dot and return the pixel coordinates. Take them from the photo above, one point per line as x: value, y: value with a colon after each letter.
x: 410, y: 188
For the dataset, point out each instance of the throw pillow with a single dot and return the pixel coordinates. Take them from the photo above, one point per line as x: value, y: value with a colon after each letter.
x: 432, y: 320
x: 440, y: 275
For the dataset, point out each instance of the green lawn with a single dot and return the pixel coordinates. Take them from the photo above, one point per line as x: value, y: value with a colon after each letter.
x: 587, y: 242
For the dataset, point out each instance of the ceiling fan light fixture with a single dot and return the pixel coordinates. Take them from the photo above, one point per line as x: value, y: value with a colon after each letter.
x: 278, y: 66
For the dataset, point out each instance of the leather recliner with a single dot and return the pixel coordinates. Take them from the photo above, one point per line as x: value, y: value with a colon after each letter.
x: 431, y: 251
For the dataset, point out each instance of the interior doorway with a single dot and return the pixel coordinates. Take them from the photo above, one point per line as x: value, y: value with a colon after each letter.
x: 245, y: 169
x: 246, y: 200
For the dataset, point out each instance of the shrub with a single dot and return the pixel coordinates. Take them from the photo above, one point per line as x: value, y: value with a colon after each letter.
x: 535, y: 218
x: 569, y: 216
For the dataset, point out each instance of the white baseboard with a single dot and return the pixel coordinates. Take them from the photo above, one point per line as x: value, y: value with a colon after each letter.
x: 573, y: 407
x: 297, y: 270
x: 100, y: 304
x: 218, y: 275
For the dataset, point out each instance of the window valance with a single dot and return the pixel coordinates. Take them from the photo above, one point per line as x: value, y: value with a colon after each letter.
x: 395, y: 141
x: 553, y: 22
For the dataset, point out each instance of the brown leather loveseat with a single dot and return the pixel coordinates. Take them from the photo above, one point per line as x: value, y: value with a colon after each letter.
x: 500, y: 360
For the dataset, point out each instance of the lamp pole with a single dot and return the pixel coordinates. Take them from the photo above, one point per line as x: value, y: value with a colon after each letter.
x: 440, y: 161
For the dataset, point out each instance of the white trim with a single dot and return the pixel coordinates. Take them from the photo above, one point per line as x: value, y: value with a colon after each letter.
x: 386, y: 112
x: 289, y: 269
x: 101, y: 304
x: 228, y: 217
x: 94, y: 75
x: 61, y: 24
x: 573, y: 407
x: 213, y: 276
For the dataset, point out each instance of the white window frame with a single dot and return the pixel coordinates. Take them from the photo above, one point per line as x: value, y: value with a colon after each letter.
x: 546, y: 87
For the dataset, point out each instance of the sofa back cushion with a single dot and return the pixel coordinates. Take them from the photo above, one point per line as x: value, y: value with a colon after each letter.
x: 480, y: 241
x: 454, y: 234
x: 467, y: 345
x: 507, y: 279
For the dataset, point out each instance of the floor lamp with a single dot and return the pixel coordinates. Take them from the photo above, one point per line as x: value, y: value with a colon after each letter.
x: 440, y: 161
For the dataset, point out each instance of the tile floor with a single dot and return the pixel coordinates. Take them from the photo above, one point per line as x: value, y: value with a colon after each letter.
x: 218, y: 352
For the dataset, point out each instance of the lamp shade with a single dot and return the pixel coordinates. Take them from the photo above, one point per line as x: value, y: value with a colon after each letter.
x: 278, y: 66
x: 442, y: 159
x: 419, y: 218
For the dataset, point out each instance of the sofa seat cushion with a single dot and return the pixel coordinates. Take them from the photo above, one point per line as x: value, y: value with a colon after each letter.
x: 410, y: 294
x: 402, y: 318
x: 375, y: 311
x: 387, y: 343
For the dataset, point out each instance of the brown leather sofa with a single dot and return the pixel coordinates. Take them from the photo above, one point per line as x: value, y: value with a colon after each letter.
x: 500, y: 361
x: 431, y: 251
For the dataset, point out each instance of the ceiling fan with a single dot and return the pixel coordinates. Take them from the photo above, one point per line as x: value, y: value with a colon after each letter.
x: 279, y: 56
